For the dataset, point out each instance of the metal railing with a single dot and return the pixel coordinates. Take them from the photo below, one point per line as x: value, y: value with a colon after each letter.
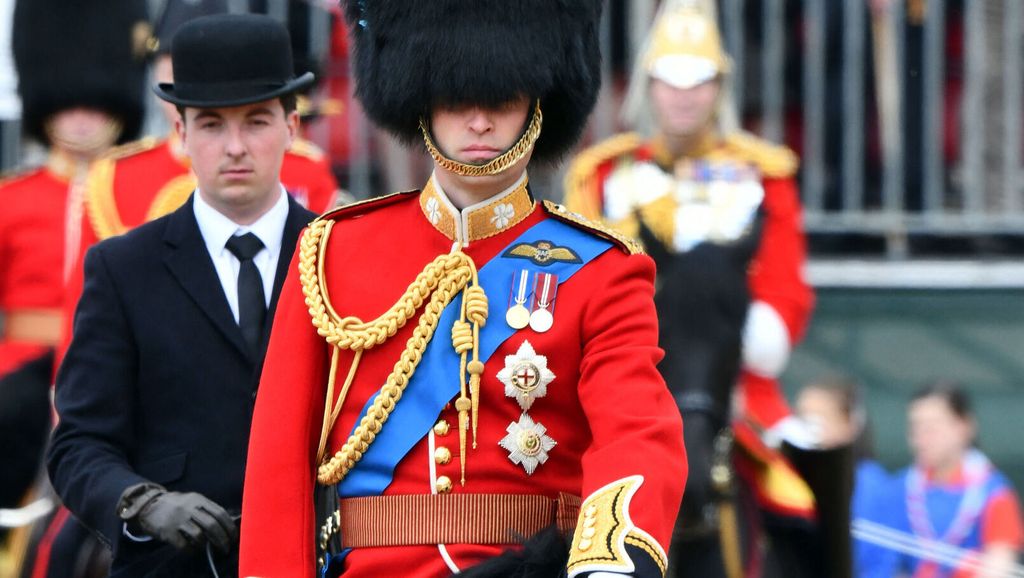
x: 896, y: 138
x: 881, y: 56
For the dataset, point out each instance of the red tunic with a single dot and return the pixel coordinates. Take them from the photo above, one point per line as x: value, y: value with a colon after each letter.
x: 607, y: 408
x: 31, y: 254
x: 776, y: 272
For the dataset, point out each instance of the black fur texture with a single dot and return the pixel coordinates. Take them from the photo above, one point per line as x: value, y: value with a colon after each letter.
x: 412, y: 56
x: 71, y: 53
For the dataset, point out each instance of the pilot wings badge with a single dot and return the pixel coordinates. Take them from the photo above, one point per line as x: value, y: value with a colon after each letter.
x: 542, y: 253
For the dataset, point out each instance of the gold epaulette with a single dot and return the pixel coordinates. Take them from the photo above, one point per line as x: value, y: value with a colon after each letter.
x: 361, y: 207
x: 581, y: 185
x: 132, y: 148
x: 775, y: 161
x: 625, y: 243
x: 305, y: 148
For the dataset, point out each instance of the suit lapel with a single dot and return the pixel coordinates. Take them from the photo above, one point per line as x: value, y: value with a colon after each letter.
x: 189, y: 262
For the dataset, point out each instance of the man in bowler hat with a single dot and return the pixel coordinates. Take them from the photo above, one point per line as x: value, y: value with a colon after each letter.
x: 155, y: 395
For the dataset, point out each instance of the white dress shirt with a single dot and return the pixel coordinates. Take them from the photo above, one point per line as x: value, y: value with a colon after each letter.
x: 217, y: 229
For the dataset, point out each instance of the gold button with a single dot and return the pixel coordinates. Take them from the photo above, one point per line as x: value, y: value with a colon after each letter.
x: 584, y: 545
x: 588, y: 533
x: 442, y: 455
x: 441, y: 428
x: 443, y: 484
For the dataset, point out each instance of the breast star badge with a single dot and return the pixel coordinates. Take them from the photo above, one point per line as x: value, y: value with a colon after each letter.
x: 527, y: 443
x: 526, y: 375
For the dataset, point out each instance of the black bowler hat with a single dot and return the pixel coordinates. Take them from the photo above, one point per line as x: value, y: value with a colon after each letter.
x: 231, y: 60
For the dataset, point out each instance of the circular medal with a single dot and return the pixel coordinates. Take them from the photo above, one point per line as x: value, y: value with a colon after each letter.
x: 517, y: 316
x: 541, y: 320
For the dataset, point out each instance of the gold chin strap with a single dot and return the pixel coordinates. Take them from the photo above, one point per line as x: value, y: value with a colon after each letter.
x: 496, y: 165
x: 437, y: 285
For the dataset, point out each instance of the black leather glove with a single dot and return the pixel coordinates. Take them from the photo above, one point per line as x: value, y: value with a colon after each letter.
x: 181, y: 519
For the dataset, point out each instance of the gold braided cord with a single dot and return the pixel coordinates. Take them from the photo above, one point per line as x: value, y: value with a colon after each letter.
x: 171, y: 196
x: 436, y: 286
x: 100, y: 204
x: 495, y: 166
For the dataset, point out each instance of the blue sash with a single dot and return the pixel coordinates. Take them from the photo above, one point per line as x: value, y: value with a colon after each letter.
x: 436, y: 380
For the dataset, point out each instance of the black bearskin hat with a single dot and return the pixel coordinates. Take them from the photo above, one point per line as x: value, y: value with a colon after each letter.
x: 411, y: 56
x: 71, y: 53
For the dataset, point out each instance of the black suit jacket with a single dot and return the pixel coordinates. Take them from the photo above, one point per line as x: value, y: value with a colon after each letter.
x: 158, y: 383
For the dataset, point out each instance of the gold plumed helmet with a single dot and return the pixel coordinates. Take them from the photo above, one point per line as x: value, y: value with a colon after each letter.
x: 685, y: 48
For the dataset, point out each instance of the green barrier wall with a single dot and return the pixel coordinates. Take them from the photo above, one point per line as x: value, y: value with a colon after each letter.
x: 894, y: 340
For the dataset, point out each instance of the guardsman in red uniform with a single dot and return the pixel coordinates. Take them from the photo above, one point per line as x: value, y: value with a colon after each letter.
x: 693, y: 181
x: 78, y: 103
x: 464, y: 366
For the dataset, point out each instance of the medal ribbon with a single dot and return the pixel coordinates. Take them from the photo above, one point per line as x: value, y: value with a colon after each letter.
x: 435, y: 381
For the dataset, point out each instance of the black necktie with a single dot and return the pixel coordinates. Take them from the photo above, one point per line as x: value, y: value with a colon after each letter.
x: 252, y: 305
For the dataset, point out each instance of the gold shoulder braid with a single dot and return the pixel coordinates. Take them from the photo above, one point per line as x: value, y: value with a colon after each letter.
x: 101, y: 202
x: 775, y: 161
x: 437, y: 285
x: 304, y: 148
x: 171, y: 196
x: 627, y: 244
x: 581, y: 184
x: 134, y: 147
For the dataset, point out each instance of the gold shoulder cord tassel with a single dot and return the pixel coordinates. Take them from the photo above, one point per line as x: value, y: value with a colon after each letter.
x: 466, y: 339
x: 435, y: 287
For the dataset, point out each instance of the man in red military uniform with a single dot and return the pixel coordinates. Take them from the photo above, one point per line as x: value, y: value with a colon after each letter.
x: 716, y: 198
x: 695, y: 181
x: 77, y: 103
x: 464, y: 365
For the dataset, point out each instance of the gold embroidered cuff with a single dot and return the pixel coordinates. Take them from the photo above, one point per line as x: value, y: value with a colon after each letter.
x: 604, y: 529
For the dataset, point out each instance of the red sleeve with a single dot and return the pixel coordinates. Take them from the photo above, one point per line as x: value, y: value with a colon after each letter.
x: 762, y: 399
x: 277, y: 505
x: 1002, y: 521
x: 776, y: 278
x: 776, y: 275
x: 636, y: 426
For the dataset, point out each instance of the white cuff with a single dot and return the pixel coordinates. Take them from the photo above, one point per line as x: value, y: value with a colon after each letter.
x: 766, y: 344
x: 797, y: 432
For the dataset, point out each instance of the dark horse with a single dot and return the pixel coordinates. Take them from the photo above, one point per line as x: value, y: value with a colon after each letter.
x: 702, y: 302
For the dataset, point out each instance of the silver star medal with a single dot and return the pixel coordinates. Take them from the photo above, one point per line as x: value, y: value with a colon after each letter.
x: 526, y: 375
x: 527, y: 443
